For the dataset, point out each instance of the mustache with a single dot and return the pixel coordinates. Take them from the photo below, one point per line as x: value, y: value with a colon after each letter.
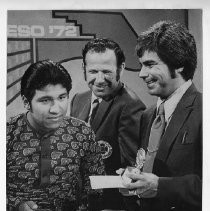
x: 107, y: 82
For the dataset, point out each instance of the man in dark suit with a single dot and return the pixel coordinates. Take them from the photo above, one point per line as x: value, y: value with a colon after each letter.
x: 172, y: 179
x: 117, y: 119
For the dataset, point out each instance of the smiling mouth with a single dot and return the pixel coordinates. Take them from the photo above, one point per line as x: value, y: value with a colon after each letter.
x: 149, y: 82
x: 100, y: 87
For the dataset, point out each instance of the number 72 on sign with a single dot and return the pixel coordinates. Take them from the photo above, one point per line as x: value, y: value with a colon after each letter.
x: 60, y: 31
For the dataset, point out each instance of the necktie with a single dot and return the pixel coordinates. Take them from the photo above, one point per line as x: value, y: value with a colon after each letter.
x: 95, y: 106
x: 156, y: 132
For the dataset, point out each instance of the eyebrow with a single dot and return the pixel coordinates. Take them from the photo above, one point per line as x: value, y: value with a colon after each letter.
x: 103, y: 70
x: 50, y: 97
x: 46, y: 97
x: 148, y: 62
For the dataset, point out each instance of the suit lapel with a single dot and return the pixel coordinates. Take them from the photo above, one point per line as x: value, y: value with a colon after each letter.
x: 85, y: 107
x: 101, y: 112
x: 180, y: 114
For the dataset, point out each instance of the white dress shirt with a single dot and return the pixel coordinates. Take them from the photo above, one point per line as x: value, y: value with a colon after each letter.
x: 172, y: 101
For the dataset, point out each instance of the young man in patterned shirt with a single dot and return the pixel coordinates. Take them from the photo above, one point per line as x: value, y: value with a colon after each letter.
x: 49, y: 156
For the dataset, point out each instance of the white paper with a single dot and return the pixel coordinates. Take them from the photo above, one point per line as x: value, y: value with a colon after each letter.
x: 100, y: 182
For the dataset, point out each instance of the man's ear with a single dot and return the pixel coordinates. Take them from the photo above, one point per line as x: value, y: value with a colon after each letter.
x: 179, y: 70
x: 120, y: 71
x: 122, y: 68
x: 84, y: 71
x: 26, y: 103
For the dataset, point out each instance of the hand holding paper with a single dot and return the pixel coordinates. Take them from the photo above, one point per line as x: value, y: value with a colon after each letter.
x: 100, y: 182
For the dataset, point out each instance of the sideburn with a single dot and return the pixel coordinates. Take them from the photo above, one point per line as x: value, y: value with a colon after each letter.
x: 118, y: 74
x: 172, y: 72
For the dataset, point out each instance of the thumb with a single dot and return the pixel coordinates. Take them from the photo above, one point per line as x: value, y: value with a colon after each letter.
x: 32, y: 205
x: 134, y: 176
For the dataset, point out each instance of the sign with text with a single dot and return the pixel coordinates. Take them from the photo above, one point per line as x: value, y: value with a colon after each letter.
x: 41, y: 31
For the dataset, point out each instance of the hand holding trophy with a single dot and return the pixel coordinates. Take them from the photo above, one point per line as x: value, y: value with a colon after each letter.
x: 140, y: 160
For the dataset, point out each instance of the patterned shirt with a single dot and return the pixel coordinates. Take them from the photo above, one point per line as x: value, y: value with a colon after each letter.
x: 50, y: 168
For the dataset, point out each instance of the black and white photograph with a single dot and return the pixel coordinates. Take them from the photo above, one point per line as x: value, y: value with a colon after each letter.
x: 105, y: 107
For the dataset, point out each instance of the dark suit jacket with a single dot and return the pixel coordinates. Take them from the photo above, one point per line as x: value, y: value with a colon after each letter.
x: 178, y: 162
x: 117, y: 128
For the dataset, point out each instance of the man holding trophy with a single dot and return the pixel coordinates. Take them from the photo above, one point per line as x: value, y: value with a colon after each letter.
x: 168, y: 169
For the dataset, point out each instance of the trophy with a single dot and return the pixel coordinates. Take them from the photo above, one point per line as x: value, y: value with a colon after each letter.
x: 137, y: 168
x: 140, y: 159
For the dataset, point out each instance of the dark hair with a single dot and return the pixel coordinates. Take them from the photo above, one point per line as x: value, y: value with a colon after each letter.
x: 174, y: 45
x: 99, y: 45
x: 42, y: 73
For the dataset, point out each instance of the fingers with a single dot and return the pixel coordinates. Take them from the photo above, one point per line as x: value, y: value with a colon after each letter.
x: 28, y: 206
x: 135, y: 176
x: 134, y: 185
x: 142, y: 184
x: 124, y: 191
x: 32, y: 205
x: 138, y: 181
x: 120, y: 171
x: 127, y: 192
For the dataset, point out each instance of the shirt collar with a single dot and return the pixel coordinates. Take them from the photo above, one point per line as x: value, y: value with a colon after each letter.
x: 93, y: 97
x: 172, y: 101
